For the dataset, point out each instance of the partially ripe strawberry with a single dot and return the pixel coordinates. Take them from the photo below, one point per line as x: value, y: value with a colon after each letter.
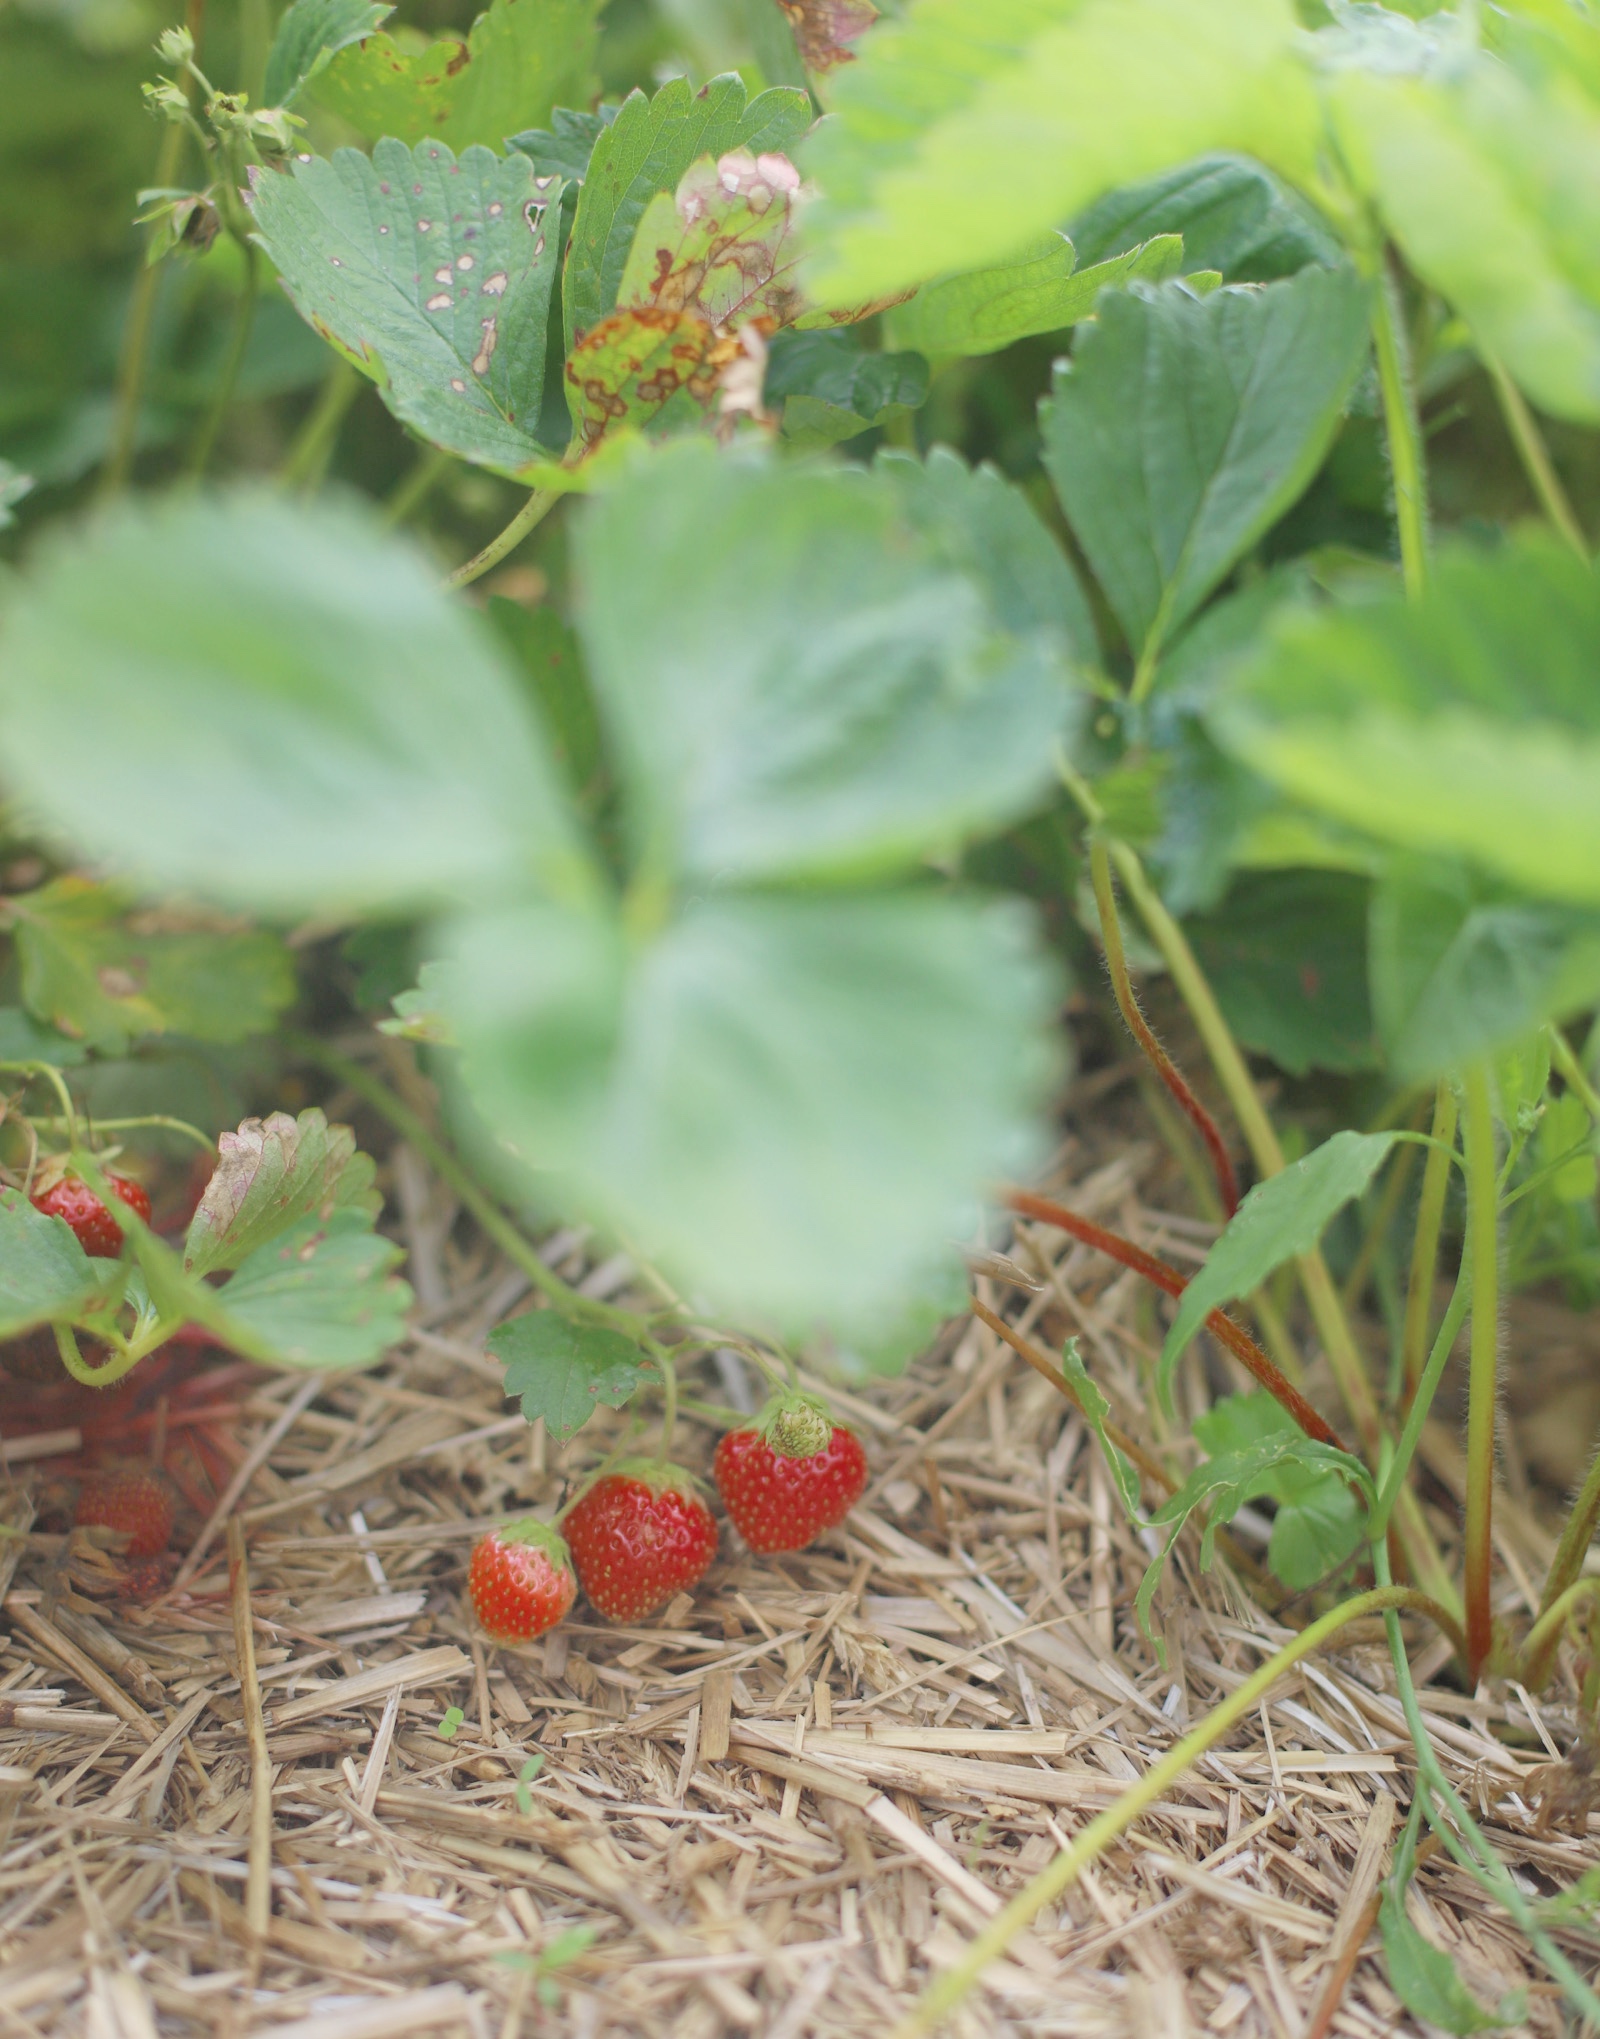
x: 91, y: 1222
x: 520, y: 1580
x: 790, y: 1475
x: 638, y: 1536
x: 139, y: 1503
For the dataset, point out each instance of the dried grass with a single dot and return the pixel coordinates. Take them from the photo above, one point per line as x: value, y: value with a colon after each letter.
x: 782, y: 1804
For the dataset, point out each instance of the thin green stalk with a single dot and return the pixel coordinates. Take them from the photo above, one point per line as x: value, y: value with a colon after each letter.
x: 1573, y: 1073
x: 1483, y: 1377
x: 1422, y: 1401
x: 414, y: 1131
x: 415, y: 486
x: 306, y: 462
x: 1575, y: 1538
x: 47, y: 1072
x: 538, y: 506
x: 669, y: 1395
x: 135, y: 356
x: 1535, y: 455
x: 1394, y: 1188
x: 1539, y: 1648
x: 93, y: 1376
x: 1425, y: 1241
x: 942, y: 1995
x: 1404, y: 432
x: 243, y: 320
x: 157, y: 1119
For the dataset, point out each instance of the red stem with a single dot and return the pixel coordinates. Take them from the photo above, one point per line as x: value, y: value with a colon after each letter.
x: 1170, y: 1282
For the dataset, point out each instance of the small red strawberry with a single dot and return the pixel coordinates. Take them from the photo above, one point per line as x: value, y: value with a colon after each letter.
x: 791, y: 1475
x: 91, y: 1223
x: 639, y: 1535
x: 520, y: 1580
x: 140, y: 1503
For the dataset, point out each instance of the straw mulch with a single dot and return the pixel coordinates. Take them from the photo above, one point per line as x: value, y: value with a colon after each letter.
x: 781, y: 1805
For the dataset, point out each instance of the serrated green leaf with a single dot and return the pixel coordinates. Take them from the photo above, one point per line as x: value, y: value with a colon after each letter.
x: 45, y: 1275
x: 1041, y: 292
x: 564, y: 1371
x: 270, y: 1174
x: 1465, y: 724
x: 106, y: 975
x: 310, y: 35
x: 1097, y: 1413
x: 564, y: 148
x: 642, y: 371
x: 830, y: 388
x: 967, y: 127
x: 786, y: 1100
x: 1427, y: 1981
x: 520, y: 59
x: 762, y: 734
x: 1184, y: 428
x: 646, y: 150
x: 721, y: 244
x: 321, y: 1294
x: 1234, y: 216
x: 433, y: 276
x: 1281, y: 1217
x: 1462, y: 967
x: 22, y: 1039
x: 271, y: 704
x: 983, y: 526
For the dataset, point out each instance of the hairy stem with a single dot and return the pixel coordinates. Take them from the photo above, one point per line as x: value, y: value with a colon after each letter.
x: 1425, y: 1241
x: 538, y: 506
x: 1539, y: 1649
x: 669, y: 1394
x: 1575, y: 1539
x: 1170, y: 1282
x: 1573, y: 1073
x: 156, y: 1119
x: 1394, y: 1188
x: 135, y: 355
x: 1422, y: 1401
x: 1404, y: 431
x: 1128, y: 1005
x: 1535, y: 456
x: 94, y: 1376
x: 1484, y: 1365
x: 942, y: 1995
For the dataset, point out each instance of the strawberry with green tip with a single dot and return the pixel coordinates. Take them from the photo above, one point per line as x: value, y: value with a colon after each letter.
x: 520, y: 1580
x: 639, y: 1535
x: 790, y: 1475
x: 90, y: 1223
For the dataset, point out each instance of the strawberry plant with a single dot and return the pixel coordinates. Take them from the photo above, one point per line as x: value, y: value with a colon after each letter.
x: 1114, y: 491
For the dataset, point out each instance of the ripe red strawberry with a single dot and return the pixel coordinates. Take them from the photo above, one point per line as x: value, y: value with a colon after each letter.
x: 91, y: 1222
x: 638, y: 1536
x: 520, y: 1580
x: 791, y: 1475
x: 140, y: 1503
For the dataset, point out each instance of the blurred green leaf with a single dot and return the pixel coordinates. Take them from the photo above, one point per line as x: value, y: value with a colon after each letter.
x: 1184, y: 428
x: 271, y: 704
x: 830, y: 387
x: 1465, y: 724
x: 521, y: 58
x: 45, y: 1275
x: 898, y: 1333
x: 22, y: 1039
x: 763, y: 732
x: 549, y: 654
x: 646, y: 151
x: 270, y: 1174
x: 1233, y: 214
x: 1042, y: 291
x: 104, y: 974
x: 13, y: 487
x: 563, y: 1371
x: 565, y: 147
x: 433, y: 277
x: 322, y: 1294
x: 1428, y: 1981
x: 310, y: 35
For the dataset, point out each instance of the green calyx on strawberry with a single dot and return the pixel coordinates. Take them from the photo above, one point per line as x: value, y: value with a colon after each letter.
x: 639, y: 1534
x: 796, y: 1425
x: 790, y: 1475
x: 521, y: 1579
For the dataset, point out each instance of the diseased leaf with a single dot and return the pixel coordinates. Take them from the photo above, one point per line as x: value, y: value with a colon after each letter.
x: 722, y: 244
x: 564, y: 148
x: 322, y: 1294
x: 45, y: 1275
x: 825, y: 29
x: 563, y: 1371
x: 272, y: 704
x: 760, y: 735
x: 644, y: 371
x: 433, y: 276
x: 310, y: 35
x: 1234, y: 216
x: 964, y: 130
x: 1185, y: 427
x: 829, y: 388
x: 1042, y: 291
x: 269, y: 1175
x: 1281, y: 1217
x: 1097, y: 1413
x: 646, y: 151
x: 105, y: 974
x: 521, y: 58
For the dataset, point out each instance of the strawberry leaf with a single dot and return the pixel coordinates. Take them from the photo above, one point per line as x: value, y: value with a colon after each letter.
x: 564, y: 1371
x: 273, y: 1173
x: 722, y: 244
x: 321, y: 1294
x: 45, y: 1275
x: 310, y: 35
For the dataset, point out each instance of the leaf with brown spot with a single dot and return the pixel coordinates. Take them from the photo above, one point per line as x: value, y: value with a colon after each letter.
x: 823, y: 29
x: 722, y: 245
x: 270, y: 1174
x: 643, y: 368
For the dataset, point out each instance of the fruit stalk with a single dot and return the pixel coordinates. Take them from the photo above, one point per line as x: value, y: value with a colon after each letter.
x: 1483, y: 1374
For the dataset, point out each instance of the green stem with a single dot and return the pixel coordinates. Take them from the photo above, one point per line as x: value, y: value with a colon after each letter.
x: 1404, y: 433
x: 1573, y: 1073
x: 415, y: 1132
x: 1576, y: 1537
x: 1422, y: 1401
x: 1535, y: 456
x: 94, y: 1376
x: 415, y: 485
x: 52, y: 1075
x: 1394, y: 1188
x: 669, y: 1395
x: 132, y: 1125
x: 942, y: 1995
x: 1425, y: 1241
x: 1483, y: 1378
x: 136, y: 340
x: 1538, y: 1650
x: 538, y: 506
x: 306, y: 462
x: 243, y: 320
